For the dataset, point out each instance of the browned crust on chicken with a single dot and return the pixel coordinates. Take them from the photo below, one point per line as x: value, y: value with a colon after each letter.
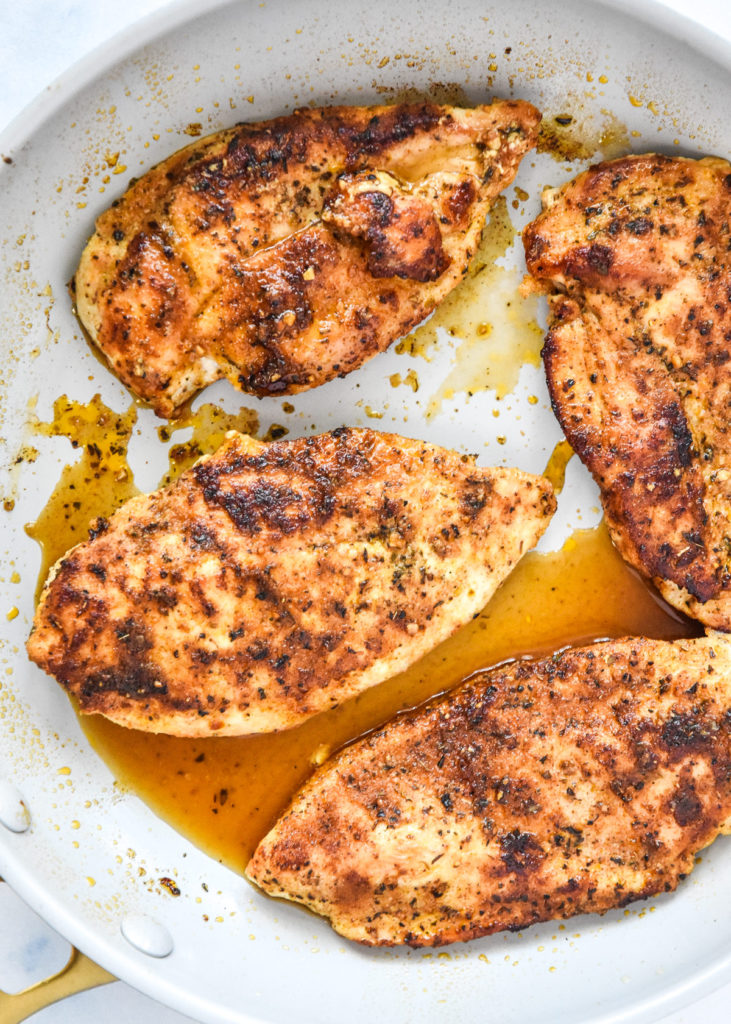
x: 272, y: 582
x: 635, y: 256
x: 285, y: 253
x: 570, y: 785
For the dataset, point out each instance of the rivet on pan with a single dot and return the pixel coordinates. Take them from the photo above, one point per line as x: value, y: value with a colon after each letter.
x: 13, y: 811
x: 147, y: 935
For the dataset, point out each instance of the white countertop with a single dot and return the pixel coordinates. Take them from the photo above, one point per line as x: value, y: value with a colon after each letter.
x: 39, y: 40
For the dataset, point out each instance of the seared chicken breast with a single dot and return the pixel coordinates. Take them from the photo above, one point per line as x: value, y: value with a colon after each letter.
x: 285, y: 253
x: 634, y: 254
x: 542, y: 790
x: 273, y: 581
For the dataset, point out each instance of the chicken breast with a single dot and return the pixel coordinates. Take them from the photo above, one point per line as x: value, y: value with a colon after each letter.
x: 635, y: 257
x: 272, y: 582
x: 538, y: 791
x: 286, y: 253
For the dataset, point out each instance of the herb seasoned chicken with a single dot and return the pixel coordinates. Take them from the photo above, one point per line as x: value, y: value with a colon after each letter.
x: 635, y: 256
x: 543, y: 790
x: 286, y: 253
x: 271, y: 582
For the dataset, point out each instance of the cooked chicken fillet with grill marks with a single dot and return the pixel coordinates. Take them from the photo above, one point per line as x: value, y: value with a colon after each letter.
x: 271, y: 582
x: 551, y: 788
x: 286, y: 253
x: 635, y: 256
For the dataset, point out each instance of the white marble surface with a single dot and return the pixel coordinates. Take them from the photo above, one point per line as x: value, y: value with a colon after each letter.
x: 39, y: 39
x: 30, y: 951
x: 113, y: 1004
